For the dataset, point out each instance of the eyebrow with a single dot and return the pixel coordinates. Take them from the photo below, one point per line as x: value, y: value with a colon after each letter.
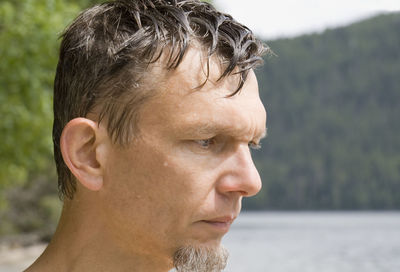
x: 264, y: 134
x: 210, y: 129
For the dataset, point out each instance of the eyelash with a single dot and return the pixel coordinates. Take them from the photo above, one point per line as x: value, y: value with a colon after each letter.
x: 205, y: 144
x: 254, y: 145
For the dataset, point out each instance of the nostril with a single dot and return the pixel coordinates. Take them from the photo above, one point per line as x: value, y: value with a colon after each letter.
x: 243, y: 193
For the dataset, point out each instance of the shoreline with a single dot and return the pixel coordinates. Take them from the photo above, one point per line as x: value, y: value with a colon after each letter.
x: 17, y: 258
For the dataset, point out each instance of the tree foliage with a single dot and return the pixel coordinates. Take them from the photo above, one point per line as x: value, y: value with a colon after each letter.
x: 28, y: 53
x: 29, y: 33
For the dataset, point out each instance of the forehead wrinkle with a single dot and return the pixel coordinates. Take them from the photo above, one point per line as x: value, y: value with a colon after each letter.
x: 247, y: 131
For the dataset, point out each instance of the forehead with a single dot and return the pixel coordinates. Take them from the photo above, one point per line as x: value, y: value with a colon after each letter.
x: 192, y: 100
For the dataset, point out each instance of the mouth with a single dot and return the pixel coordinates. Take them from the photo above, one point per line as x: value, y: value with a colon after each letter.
x: 220, y: 224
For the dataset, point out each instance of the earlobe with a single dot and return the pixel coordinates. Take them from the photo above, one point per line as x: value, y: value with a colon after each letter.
x: 79, y: 142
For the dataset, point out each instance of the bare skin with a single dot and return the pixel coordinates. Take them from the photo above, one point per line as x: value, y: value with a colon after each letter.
x: 180, y: 182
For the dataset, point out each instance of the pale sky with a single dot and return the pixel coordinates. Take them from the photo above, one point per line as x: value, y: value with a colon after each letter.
x: 287, y: 18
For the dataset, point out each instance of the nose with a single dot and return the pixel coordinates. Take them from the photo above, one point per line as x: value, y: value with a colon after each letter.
x: 240, y: 174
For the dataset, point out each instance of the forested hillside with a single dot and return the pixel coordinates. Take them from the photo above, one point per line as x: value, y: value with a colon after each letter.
x: 333, y: 103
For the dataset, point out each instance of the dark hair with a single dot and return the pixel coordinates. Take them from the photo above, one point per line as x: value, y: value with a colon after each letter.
x: 106, y: 53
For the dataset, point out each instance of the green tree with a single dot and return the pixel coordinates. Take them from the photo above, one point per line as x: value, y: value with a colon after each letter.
x: 29, y: 33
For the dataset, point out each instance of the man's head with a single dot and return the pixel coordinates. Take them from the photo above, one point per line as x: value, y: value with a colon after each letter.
x: 155, y: 106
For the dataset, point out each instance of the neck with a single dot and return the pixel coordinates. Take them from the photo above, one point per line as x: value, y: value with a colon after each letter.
x: 82, y: 242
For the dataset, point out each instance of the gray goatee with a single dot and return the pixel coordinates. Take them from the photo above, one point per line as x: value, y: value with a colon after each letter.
x: 200, y: 259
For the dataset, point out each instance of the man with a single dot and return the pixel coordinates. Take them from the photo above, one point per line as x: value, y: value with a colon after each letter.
x: 155, y: 109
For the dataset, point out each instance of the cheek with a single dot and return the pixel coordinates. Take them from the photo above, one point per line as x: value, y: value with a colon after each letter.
x: 162, y: 189
x: 181, y: 184
x: 142, y: 198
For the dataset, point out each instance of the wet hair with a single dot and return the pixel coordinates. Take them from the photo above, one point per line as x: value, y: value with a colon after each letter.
x: 107, y: 52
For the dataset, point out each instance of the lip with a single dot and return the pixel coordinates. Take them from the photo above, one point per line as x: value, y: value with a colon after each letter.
x: 221, y: 224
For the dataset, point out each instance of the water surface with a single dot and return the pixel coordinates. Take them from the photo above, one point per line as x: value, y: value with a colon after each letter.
x: 315, y: 242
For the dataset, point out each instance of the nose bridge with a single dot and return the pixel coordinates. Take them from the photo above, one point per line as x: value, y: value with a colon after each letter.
x: 243, y: 176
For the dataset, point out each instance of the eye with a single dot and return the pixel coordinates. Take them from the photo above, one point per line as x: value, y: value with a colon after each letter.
x: 205, y: 143
x: 254, y: 145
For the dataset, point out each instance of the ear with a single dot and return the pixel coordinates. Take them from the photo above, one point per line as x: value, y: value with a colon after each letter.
x: 80, y: 147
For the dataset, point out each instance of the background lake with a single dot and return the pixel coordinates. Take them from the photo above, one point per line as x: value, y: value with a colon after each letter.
x: 314, y: 242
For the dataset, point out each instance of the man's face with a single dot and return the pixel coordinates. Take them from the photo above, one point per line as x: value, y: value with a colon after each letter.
x: 181, y: 181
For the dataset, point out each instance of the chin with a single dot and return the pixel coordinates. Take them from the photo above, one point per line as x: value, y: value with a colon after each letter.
x: 201, y: 257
